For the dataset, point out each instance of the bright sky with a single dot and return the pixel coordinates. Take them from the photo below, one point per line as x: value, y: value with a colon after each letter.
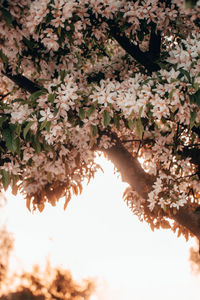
x: 97, y: 236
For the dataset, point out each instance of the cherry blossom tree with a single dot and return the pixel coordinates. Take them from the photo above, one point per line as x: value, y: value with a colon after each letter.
x: 119, y: 77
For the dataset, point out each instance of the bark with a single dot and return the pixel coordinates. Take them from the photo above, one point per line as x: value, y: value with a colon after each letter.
x: 144, y: 58
x: 130, y: 169
x: 132, y: 173
x: 23, y: 82
x: 189, y: 219
x: 154, y: 43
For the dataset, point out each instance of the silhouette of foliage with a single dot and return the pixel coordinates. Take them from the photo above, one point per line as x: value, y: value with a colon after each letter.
x: 55, y: 284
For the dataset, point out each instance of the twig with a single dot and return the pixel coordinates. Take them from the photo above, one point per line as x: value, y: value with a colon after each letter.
x: 4, y: 96
x: 128, y: 141
x: 143, y: 142
x: 186, y: 176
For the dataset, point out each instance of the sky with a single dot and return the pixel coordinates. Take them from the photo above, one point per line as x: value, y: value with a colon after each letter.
x: 98, y: 237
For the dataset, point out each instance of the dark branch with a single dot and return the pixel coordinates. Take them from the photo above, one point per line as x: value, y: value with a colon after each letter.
x: 196, y: 130
x: 143, y: 142
x: 130, y: 168
x: 154, y: 43
x: 192, y: 153
x: 23, y: 82
x: 189, y: 219
x: 141, y: 57
x: 4, y: 96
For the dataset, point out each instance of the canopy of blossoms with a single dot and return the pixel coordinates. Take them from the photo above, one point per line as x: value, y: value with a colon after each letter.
x: 117, y: 76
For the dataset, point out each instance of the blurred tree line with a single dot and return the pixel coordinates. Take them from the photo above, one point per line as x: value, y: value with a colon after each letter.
x: 53, y: 283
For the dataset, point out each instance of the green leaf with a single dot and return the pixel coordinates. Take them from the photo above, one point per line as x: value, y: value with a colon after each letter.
x: 140, y: 111
x: 48, y: 126
x: 171, y: 94
x: 36, y: 144
x: 56, y: 110
x: 117, y: 121
x: 17, y: 145
x: 190, y: 3
x: 91, y: 110
x: 4, y: 58
x: 131, y: 123
x: 36, y: 95
x: 7, y: 16
x: 94, y: 130
x: 51, y: 98
x: 2, y: 120
x: 62, y: 75
x: 26, y: 129
x: 10, y: 139
x: 81, y: 113
x: 43, y: 124
x: 192, y: 99
x: 186, y: 74
x: 140, y: 128
x: 5, y: 179
x: 18, y: 129
x: 106, y: 118
x: 195, y: 98
x: 46, y: 146
x: 193, y: 115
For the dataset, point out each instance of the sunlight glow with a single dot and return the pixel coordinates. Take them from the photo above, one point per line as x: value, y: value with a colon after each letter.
x: 98, y: 237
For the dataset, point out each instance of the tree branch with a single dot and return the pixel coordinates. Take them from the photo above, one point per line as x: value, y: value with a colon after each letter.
x: 4, y: 96
x: 130, y: 168
x: 154, y: 43
x: 132, y: 173
x: 22, y: 81
x: 189, y: 219
x: 142, y: 57
x: 192, y: 153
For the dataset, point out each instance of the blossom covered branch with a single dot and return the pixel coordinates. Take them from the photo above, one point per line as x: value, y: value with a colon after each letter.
x: 142, y: 183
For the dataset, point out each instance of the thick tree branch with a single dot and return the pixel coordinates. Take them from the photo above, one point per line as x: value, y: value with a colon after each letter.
x: 192, y: 153
x: 23, y: 82
x: 141, y: 57
x: 2, y: 97
x: 130, y: 168
x: 189, y: 219
x: 132, y: 173
x: 154, y: 43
